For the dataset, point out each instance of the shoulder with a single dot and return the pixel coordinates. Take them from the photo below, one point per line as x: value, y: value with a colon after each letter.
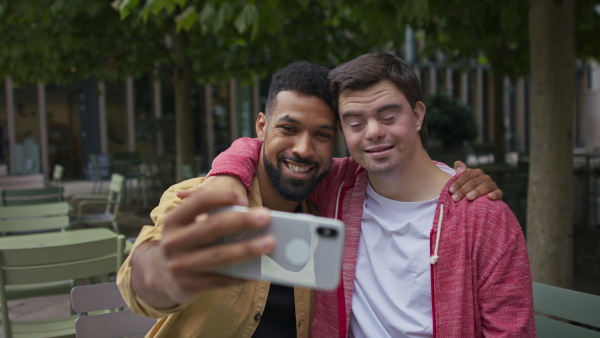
x: 481, y: 213
x: 169, y: 199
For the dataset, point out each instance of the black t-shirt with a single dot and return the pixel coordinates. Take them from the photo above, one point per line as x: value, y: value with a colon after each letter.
x: 279, y: 317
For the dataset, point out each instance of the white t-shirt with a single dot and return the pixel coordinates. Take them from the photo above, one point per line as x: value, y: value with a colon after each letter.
x: 392, y: 285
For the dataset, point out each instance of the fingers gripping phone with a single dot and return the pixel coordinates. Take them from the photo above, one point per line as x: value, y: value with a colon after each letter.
x: 308, y: 251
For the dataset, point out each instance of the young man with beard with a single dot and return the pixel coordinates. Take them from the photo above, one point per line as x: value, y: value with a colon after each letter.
x: 416, y: 264
x: 168, y: 274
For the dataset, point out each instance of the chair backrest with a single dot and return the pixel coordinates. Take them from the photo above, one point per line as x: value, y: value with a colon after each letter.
x: 579, y: 312
x: 89, y: 298
x: 50, y: 194
x: 37, y: 217
x: 115, y: 193
x: 57, y: 174
x: 51, y: 257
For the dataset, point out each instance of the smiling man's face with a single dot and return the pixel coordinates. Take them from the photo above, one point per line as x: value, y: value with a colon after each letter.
x: 299, y: 137
x: 380, y: 127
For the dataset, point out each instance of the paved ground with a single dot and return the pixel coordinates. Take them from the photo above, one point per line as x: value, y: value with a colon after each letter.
x: 134, y: 215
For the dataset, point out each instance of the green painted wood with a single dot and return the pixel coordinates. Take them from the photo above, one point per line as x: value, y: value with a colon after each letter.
x: 112, y: 201
x: 34, y: 217
x: 566, y: 304
x: 54, y: 257
x: 49, y: 194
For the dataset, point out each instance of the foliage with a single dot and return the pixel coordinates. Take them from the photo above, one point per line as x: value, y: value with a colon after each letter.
x: 467, y: 30
x: 449, y: 120
x: 252, y: 39
x: 587, y: 14
x: 486, y: 32
x: 65, y: 41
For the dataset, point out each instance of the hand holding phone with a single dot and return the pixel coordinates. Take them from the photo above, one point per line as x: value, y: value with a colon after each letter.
x: 308, y: 251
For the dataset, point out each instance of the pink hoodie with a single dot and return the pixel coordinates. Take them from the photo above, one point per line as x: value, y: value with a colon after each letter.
x: 480, y: 281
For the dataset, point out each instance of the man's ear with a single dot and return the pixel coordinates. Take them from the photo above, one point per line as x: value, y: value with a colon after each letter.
x: 419, y: 112
x: 261, y: 126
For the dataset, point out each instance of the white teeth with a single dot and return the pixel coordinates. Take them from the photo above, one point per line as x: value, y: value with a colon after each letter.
x: 297, y: 168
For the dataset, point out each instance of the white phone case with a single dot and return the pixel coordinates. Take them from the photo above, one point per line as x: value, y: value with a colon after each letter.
x: 308, y: 251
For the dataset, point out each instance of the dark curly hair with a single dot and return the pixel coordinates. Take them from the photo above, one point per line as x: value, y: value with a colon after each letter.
x: 302, y: 77
x: 368, y: 69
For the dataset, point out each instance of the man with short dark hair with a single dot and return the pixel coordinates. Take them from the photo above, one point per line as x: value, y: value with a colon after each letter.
x: 169, y: 273
x: 415, y: 263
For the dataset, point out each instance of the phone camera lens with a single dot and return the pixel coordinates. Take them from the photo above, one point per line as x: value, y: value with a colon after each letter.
x: 326, y: 232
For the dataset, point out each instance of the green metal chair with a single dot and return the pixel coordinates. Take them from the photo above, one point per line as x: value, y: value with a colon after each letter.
x: 32, y: 218
x: 96, y: 252
x: 91, y: 303
x: 112, y: 202
x: 49, y: 194
x: 576, y: 314
x: 28, y: 219
x: 57, y: 174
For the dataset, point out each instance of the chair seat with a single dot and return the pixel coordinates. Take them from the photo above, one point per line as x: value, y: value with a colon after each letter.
x: 45, y: 328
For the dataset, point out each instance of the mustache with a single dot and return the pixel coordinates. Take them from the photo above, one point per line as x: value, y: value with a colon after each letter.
x: 299, y: 159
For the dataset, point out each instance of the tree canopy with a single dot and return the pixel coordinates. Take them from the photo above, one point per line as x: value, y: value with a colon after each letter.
x: 63, y: 41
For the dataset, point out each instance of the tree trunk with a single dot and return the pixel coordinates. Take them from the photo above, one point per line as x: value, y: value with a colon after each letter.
x: 184, y: 143
x: 550, y: 201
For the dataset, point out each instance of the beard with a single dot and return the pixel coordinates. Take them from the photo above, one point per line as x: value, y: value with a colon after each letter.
x: 292, y: 189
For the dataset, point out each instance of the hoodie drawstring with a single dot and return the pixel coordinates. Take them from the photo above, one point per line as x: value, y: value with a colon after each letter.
x: 433, y: 259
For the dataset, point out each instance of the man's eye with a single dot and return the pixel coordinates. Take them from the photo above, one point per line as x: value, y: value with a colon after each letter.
x: 324, y: 136
x: 287, y: 128
x: 388, y: 118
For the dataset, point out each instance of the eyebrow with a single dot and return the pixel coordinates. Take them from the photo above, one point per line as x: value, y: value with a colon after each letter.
x: 290, y: 119
x: 354, y: 113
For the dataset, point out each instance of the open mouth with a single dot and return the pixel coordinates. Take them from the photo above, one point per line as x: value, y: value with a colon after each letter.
x: 378, y: 149
x: 301, y: 169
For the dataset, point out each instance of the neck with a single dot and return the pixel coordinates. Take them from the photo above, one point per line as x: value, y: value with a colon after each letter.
x: 269, y: 195
x: 419, y: 179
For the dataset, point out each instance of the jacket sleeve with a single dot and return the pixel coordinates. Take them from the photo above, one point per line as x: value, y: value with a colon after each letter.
x: 241, y: 160
x: 168, y: 201
x: 504, y: 285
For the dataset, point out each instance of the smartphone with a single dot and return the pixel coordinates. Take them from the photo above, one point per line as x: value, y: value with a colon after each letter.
x: 308, y: 251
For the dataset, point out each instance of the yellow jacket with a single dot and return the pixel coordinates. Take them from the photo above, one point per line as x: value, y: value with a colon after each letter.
x: 227, y: 312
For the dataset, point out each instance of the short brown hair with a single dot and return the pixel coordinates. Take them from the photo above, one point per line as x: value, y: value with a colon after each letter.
x: 368, y: 70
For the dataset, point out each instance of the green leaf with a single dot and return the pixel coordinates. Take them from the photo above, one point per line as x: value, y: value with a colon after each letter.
x: 206, y: 16
x: 248, y: 16
x: 223, y: 14
x: 187, y: 18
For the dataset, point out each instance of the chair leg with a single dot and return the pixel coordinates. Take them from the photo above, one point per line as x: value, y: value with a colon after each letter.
x: 143, y: 189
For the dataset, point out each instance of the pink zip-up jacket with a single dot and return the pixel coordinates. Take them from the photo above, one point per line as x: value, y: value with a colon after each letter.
x: 480, y: 278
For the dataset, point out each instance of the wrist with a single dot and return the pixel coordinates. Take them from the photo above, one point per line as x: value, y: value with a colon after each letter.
x: 147, y: 279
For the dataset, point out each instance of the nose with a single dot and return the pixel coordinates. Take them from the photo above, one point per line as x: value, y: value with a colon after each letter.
x: 374, y: 131
x: 303, y: 146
